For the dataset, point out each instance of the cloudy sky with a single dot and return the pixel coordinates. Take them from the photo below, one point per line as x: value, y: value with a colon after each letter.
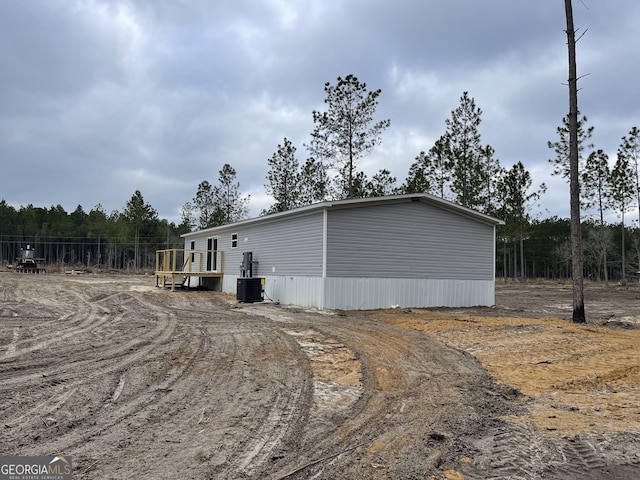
x: 102, y: 98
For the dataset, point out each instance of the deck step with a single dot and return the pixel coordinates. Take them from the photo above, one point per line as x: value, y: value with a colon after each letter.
x: 178, y: 282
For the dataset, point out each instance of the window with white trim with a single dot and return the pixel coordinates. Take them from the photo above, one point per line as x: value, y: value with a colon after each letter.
x: 234, y: 240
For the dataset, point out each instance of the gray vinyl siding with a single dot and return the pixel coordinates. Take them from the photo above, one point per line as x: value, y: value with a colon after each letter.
x: 408, y: 240
x: 284, y: 246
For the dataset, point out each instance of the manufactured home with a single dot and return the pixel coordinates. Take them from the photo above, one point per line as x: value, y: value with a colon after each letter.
x: 408, y: 251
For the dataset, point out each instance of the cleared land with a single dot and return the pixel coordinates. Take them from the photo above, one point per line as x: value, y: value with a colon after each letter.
x: 138, y: 382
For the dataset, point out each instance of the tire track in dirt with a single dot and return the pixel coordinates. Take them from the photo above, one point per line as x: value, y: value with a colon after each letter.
x: 112, y: 357
x: 263, y: 406
x: 84, y: 318
x: 521, y: 451
x: 335, y: 375
x: 515, y: 452
x: 578, y: 457
x: 286, y: 413
x: 234, y: 431
x: 82, y: 365
x: 274, y: 415
x: 122, y: 396
x: 142, y: 401
x: 36, y: 310
x: 337, y: 372
x: 413, y: 393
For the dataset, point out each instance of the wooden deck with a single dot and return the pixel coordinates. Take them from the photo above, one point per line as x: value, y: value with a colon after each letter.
x: 176, y: 266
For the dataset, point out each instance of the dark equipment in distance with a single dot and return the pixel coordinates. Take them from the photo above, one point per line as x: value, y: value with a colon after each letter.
x: 28, y: 263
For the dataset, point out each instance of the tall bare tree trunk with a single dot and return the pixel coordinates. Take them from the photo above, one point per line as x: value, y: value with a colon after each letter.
x: 576, y: 235
x: 504, y: 259
x: 522, y: 268
x: 624, y: 261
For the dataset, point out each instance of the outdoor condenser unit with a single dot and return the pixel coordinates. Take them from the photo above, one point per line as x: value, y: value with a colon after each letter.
x: 250, y: 290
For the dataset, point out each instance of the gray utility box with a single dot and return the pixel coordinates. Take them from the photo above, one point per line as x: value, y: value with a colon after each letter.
x: 250, y: 289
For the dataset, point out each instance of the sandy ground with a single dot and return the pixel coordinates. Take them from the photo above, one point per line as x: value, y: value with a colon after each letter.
x: 137, y: 382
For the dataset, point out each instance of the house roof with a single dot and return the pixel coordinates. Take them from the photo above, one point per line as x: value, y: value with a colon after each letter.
x: 359, y: 202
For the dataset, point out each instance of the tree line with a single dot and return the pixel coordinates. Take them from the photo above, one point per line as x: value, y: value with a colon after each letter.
x: 120, y: 240
x: 458, y: 167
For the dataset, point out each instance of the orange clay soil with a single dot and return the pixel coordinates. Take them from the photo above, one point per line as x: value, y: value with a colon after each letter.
x: 582, y: 378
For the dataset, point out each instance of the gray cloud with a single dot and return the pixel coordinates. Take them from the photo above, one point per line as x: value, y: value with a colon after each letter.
x: 100, y: 98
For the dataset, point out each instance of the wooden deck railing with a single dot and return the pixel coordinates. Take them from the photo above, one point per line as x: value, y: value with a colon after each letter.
x: 179, y: 264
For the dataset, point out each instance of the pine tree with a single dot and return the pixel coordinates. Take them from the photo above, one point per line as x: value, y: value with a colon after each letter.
x: 561, y: 147
x: 516, y: 202
x: 595, y: 182
x: 200, y: 212
x: 284, y: 178
x: 468, y: 161
x: 205, y: 201
x: 215, y: 205
x: 188, y: 216
x: 493, y: 172
x: 596, y: 189
x: 345, y: 133
x: 138, y: 213
x: 429, y: 174
x: 231, y: 205
x: 381, y: 184
x: 358, y: 185
x: 312, y: 182
x: 630, y: 149
x: 418, y: 181
x: 292, y: 186
x: 622, y: 195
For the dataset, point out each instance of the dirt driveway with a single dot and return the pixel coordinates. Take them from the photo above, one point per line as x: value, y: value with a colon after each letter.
x: 137, y: 382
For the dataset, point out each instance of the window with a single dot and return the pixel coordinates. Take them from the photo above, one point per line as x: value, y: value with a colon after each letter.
x: 234, y: 240
x: 212, y: 254
x: 193, y: 247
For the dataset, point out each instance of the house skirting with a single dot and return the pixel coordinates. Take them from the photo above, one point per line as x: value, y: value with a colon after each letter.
x: 373, y: 293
